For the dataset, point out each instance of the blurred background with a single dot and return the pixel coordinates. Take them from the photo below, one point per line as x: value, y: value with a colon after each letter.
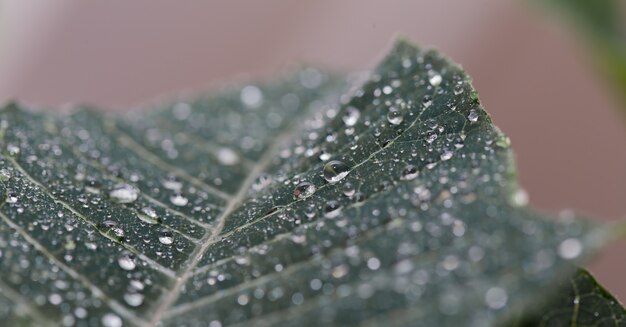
x: 534, y: 74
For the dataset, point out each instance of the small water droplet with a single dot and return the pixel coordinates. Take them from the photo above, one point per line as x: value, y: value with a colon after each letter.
x: 149, y: 215
x: 127, y: 261
x: 409, y: 172
x: 434, y: 78
x: 395, y: 116
x: 134, y: 299
x: 570, y: 248
x: 332, y: 209
x: 124, y: 193
x: 458, y: 89
x: 251, y: 96
x: 303, y: 190
x: 472, y: 116
x: 359, y: 197
x: 348, y: 189
x: 166, y: 237
x: 13, y: 149
x: 5, y: 175
x: 496, y: 298
x: 227, y: 157
x: 178, y: 200
x: 335, y: 171
x: 261, y: 182
x: 11, y: 197
x: 171, y: 182
x: 111, y: 320
x: 351, y: 116
x: 324, y: 156
x: 111, y: 230
x: 446, y: 155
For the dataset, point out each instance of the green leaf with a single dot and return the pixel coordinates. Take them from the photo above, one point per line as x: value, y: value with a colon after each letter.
x: 278, y: 204
x: 581, y: 301
x: 603, y: 24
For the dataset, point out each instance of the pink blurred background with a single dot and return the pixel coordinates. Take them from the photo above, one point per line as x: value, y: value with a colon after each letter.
x: 533, y: 75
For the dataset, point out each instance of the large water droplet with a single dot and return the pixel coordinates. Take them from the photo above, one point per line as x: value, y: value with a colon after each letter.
x: 335, y: 171
x: 127, y: 261
x: 351, y: 116
x: 395, y: 116
x: 303, y: 190
x: 124, y: 193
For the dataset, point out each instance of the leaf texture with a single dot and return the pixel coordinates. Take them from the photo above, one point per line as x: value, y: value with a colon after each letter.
x: 277, y: 204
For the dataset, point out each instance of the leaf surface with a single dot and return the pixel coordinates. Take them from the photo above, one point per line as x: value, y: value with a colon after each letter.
x: 278, y: 204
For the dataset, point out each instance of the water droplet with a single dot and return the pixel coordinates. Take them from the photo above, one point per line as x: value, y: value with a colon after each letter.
x: 171, y: 182
x: 178, y: 200
x: 335, y: 171
x: 124, y: 193
x: 434, y: 78
x: 227, y: 157
x: 496, y: 298
x: 251, y: 96
x: 261, y: 182
x: 359, y: 197
x: 373, y: 263
x: 13, y: 149
x: 5, y: 175
x: 324, y: 156
x: 446, y: 155
x: 409, y: 172
x: 520, y: 198
x: 149, y: 215
x: 92, y: 185
x: 348, y: 189
x: 570, y: 248
x: 111, y: 230
x: 332, y: 209
x: 458, y: 89
x: 11, y: 197
x: 303, y: 190
x: 472, y: 116
x: 395, y: 116
x: 127, y: 261
x: 111, y: 320
x: 134, y: 299
x: 351, y: 116
x: 166, y: 237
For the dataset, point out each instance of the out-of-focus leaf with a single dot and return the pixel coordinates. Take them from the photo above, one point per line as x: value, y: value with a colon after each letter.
x: 580, y: 302
x: 603, y: 24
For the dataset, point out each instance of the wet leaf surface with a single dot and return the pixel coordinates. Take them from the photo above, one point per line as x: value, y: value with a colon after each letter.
x: 277, y: 204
